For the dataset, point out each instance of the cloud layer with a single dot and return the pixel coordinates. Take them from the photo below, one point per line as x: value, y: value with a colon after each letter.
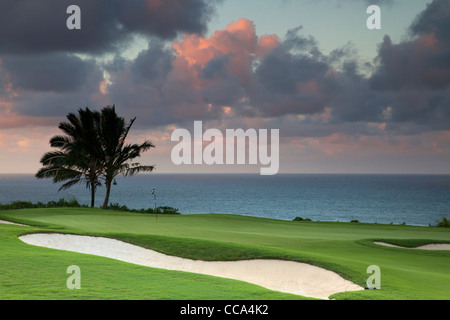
x: 232, y: 77
x: 28, y: 26
x: 235, y: 72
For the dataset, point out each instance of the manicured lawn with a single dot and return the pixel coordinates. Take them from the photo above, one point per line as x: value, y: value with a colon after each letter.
x: 29, y: 272
x: 37, y: 273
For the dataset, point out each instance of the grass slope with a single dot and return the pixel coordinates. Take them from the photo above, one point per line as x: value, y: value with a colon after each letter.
x: 30, y: 272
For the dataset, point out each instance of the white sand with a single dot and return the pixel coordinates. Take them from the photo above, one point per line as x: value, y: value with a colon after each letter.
x: 285, y: 276
x: 432, y: 246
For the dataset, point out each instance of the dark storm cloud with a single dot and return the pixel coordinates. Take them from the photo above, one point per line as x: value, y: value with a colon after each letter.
x: 435, y: 19
x: 53, y: 105
x: 153, y: 65
x: 166, y: 18
x: 37, y: 61
x: 415, y: 73
x: 58, y: 72
x: 421, y: 63
x: 408, y: 85
x: 30, y: 26
x: 406, y: 90
x: 216, y: 68
x: 53, y: 100
x: 140, y: 86
x: 379, y: 2
x: 287, y: 83
x: 292, y: 79
x: 353, y: 99
x: 364, y: 2
x: 220, y: 86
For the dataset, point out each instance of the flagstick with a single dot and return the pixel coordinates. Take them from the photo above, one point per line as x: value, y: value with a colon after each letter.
x: 154, y: 196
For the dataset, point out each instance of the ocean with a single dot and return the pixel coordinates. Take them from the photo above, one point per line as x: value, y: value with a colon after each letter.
x: 411, y: 199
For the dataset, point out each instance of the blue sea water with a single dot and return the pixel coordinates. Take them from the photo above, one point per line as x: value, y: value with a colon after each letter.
x: 411, y: 199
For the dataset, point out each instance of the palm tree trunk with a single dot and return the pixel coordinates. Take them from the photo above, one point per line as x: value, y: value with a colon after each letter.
x: 92, y: 194
x: 108, y: 191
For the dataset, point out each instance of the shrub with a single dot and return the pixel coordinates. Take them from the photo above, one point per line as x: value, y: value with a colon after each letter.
x: 51, y: 204
x: 167, y: 210
x: 17, y: 205
x: 444, y: 223
x: 159, y: 210
x: 73, y: 203
x: 301, y: 219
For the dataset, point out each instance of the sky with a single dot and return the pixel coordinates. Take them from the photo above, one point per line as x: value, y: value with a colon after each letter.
x: 345, y: 99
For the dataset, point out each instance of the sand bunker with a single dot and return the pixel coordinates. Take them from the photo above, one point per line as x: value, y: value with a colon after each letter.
x: 9, y: 222
x: 284, y: 276
x: 432, y: 246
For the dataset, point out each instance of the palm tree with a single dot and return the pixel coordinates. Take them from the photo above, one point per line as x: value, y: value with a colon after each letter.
x: 93, y: 149
x: 116, y: 154
x: 79, y: 157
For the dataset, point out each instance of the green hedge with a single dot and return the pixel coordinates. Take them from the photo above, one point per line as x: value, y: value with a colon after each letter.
x: 73, y: 203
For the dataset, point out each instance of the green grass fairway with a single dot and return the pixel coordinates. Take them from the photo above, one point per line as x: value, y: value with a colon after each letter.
x: 29, y: 272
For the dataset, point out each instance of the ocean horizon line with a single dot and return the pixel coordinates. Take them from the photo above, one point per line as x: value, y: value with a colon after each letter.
x: 418, y: 199
x: 257, y: 174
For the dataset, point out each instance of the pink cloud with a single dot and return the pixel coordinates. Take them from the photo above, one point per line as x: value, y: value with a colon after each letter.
x: 16, y: 121
x: 338, y: 144
x: 267, y: 43
x: 238, y: 40
x: 155, y: 4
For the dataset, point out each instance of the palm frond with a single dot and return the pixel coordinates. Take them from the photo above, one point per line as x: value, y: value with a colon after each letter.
x: 69, y: 184
x: 137, y: 168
